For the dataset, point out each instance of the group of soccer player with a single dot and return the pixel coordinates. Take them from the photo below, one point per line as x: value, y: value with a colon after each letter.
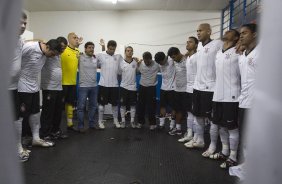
x: 213, y: 82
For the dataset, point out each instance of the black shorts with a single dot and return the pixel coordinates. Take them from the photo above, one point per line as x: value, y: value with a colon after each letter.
x: 108, y: 95
x: 29, y: 104
x: 225, y: 114
x: 128, y: 97
x: 15, y: 103
x: 202, y: 103
x: 70, y: 94
x: 188, y: 102
x: 166, y: 98
x: 179, y: 101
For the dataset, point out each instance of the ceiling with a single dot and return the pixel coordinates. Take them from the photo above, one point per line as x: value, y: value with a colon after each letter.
x: 91, y: 5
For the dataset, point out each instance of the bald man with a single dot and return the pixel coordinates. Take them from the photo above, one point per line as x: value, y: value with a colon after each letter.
x: 204, y: 84
x: 69, y: 62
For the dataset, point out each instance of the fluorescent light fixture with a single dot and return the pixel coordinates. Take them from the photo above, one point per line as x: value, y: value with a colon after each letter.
x: 114, y: 1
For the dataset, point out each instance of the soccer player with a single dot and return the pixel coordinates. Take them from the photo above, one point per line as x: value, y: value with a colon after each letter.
x: 191, y: 69
x: 204, y: 84
x: 248, y: 63
x: 69, y: 61
x: 128, y: 92
x: 34, y: 55
x: 180, y: 85
x: 13, y: 90
x: 52, y: 92
x: 147, y: 91
x: 109, y: 63
x: 167, y: 68
x: 225, y: 99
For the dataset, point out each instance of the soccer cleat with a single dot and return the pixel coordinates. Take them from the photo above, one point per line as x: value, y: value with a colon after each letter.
x: 153, y: 127
x: 133, y: 125
x: 23, y: 156
x: 228, y: 163
x: 175, y: 132
x: 117, y: 125
x: 207, y: 153
x: 192, y: 144
x: 101, y: 125
x: 122, y: 125
x: 189, y: 144
x: 42, y: 143
x: 139, y: 125
x: 218, y: 156
x: 185, y: 138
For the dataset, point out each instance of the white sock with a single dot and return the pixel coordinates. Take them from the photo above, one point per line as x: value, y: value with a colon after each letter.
x: 195, y: 137
x: 132, y: 113
x: 178, y: 126
x: 172, y: 123
x: 18, y: 125
x: 213, y: 137
x: 162, y: 121
x: 200, y: 129
x: 190, y: 120
x: 224, y: 137
x: 190, y: 132
x: 122, y: 113
x: 100, y: 113
x: 34, y: 122
x: 234, y: 142
x: 225, y: 149
x: 115, y: 113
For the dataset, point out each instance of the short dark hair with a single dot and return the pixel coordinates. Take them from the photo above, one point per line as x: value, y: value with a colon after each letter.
x: 252, y: 27
x: 159, y: 56
x: 173, y: 51
x: 87, y: 44
x: 24, y: 16
x: 54, y: 45
x: 147, y: 55
x: 195, y: 39
x: 235, y: 32
x: 62, y: 39
x: 112, y: 43
x: 128, y: 47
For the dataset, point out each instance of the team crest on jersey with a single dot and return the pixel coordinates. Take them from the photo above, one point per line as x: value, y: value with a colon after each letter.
x: 133, y: 66
x: 49, y: 97
x: 251, y: 61
x: 227, y: 56
x: 207, y: 50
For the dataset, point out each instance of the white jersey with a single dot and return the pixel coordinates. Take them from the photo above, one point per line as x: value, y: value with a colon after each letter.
x: 191, y: 71
x: 128, y: 75
x: 168, y: 74
x: 51, y: 74
x: 228, y: 83
x: 180, y: 82
x: 205, y: 77
x: 109, y: 69
x: 87, y: 71
x: 148, y: 74
x: 15, y: 66
x: 248, y: 68
x: 33, y: 60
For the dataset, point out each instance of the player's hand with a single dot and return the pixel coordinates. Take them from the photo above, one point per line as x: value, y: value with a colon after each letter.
x: 80, y: 40
x: 139, y: 61
x: 102, y: 42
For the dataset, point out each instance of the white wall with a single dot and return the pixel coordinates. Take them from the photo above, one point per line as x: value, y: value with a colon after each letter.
x: 142, y: 27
